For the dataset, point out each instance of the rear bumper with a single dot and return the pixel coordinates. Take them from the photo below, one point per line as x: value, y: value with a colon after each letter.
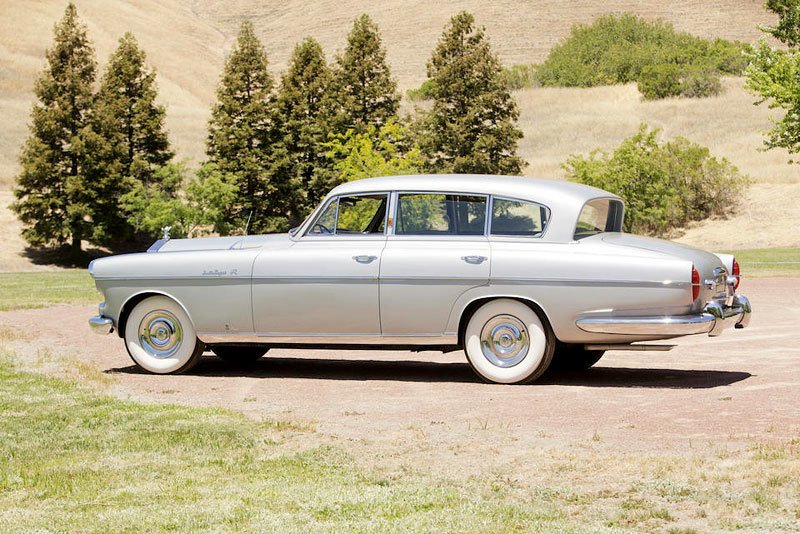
x: 714, y: 319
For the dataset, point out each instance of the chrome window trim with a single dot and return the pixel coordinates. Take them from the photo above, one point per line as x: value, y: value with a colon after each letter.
x: 438, y: 192
x: 319, y: 212
x: 511, y: 199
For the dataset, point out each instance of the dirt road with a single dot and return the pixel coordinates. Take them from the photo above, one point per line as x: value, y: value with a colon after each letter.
x: 740, y: 388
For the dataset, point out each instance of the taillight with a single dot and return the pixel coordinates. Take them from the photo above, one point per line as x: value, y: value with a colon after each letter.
x: 695, y: 283
x: 736, y: 274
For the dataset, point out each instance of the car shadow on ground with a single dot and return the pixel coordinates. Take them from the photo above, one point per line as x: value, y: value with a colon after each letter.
x: 422, y: 371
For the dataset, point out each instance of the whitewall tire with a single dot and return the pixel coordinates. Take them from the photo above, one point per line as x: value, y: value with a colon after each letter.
x: 160, y: 337
x: 508, y: 343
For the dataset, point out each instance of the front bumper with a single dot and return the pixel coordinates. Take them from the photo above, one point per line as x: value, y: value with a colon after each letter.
x: 714, y: 319
x: 100, y: 324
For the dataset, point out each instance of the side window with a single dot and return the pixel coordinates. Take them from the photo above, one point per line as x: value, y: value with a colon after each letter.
x: 358, y: 214
x: 440, y: 214
x: 518, y: 218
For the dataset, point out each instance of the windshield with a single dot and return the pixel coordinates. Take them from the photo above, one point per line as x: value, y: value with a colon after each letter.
x: 599, y: 215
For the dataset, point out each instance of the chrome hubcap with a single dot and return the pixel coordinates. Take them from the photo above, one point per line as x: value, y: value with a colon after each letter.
x: 160, y: 333
x: 504, y: 340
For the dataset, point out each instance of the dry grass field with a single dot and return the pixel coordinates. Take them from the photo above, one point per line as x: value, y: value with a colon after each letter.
x: 186, y: 42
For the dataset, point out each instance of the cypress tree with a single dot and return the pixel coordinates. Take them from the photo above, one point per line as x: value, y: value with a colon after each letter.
x: 471, y: 127
x: 241, y: 131
x: 368, y: 93
x: 304, y: 112
x: 51, y: 194
x: 131, y: 142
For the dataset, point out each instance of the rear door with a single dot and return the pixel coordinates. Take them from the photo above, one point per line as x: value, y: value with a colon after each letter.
x: 437, y: 250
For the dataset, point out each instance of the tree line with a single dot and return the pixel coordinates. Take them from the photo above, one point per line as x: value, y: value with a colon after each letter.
x: 98, y: 166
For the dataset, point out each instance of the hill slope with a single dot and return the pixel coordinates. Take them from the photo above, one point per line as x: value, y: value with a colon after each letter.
x: 186, y: 41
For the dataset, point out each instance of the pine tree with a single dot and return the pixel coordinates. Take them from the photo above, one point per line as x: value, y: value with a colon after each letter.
x: 471, y: 127
x: 368, y: 93
x: 132, y: 143
x: 51, y: 192
x: 304, y: 113
x: 241, y: 133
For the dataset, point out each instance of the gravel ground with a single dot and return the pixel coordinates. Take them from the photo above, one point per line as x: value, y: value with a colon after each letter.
x: 731, y: 391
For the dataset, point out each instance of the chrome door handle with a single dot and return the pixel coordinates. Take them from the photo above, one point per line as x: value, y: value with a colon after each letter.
x: 365, y: 259
x: 477, y: 260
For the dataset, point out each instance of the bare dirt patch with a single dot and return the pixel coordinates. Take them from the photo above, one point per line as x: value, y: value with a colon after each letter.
x: 429, y: 410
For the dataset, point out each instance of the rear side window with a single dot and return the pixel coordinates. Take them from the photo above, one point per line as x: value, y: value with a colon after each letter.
x: 518, y: 218
x: 598, y: 216
x: 440, y: 214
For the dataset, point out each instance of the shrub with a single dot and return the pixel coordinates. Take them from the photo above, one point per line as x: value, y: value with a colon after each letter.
x: 625, y: 48
x: 424, y: 92
x: 669, y: 79
x: 665, y: 185
x: 520, y: 76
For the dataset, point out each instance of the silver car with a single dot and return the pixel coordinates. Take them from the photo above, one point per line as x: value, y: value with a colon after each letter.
x: 520, y: 273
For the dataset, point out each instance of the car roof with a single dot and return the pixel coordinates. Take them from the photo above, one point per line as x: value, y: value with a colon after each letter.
x: 548, y: 192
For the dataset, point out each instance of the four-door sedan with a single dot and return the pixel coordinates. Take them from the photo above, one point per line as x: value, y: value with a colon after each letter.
x: 518, y: 272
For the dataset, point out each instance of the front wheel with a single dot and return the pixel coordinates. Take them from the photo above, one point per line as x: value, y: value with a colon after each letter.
x: 160, y: 337
x: 508, y: 343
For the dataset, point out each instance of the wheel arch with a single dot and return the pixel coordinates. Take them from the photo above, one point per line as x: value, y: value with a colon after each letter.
x: 136, y: 298
x: 473, y: 305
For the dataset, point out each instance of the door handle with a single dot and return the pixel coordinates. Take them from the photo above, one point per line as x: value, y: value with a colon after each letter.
x: 476, y: 260
x: 365, y: 259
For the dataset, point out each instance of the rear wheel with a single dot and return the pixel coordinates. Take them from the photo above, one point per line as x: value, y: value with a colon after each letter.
x: 160, y: 337
x: 508, y: 343
x: 239, y: 355
x: 575, y: 358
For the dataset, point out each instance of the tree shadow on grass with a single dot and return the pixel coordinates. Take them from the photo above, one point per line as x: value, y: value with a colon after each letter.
x: 426, y: 371
x: 63, y: 256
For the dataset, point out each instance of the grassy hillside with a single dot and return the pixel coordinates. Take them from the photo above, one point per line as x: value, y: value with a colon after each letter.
x: 186, y: 41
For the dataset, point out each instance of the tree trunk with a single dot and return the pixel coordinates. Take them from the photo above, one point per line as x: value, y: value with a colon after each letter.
x: 75, y: 246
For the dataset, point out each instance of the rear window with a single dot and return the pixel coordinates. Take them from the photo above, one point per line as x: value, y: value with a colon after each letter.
x: 518, y: 218
x: 440, y: 214
x: 598, y: 216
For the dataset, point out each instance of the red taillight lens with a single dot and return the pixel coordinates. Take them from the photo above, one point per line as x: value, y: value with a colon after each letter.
x: 695, y: 283
x: 736, y: 273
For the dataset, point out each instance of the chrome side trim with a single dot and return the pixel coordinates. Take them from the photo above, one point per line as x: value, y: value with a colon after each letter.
x: 172, y: 277
x: 101, y: 325
x: 354, y: 339
x: 578, y: 282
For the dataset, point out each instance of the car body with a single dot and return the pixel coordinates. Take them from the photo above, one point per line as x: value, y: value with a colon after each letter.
x: 425, y: 262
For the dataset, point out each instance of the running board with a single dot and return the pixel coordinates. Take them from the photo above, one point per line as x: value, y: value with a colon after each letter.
x: 629, y: 346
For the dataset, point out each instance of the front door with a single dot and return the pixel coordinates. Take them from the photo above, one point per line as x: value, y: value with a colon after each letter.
x: 438, y: 250
x: 326, y: 283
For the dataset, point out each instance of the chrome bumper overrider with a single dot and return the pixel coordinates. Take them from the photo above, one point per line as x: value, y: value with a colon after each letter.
x: 99, y: 324
x: 714, y: 319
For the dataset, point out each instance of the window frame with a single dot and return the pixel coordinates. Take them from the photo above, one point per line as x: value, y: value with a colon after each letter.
x: 540, y: 235
x: 395, y: 205
x: 335, y: 234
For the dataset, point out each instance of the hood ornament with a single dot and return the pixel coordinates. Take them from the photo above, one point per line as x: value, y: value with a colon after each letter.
x: 166, y: 230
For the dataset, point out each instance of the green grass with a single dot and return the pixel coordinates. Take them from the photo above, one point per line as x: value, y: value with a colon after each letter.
x: 74, y: 459
x: 43, y: 289
x: 768, y: 262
